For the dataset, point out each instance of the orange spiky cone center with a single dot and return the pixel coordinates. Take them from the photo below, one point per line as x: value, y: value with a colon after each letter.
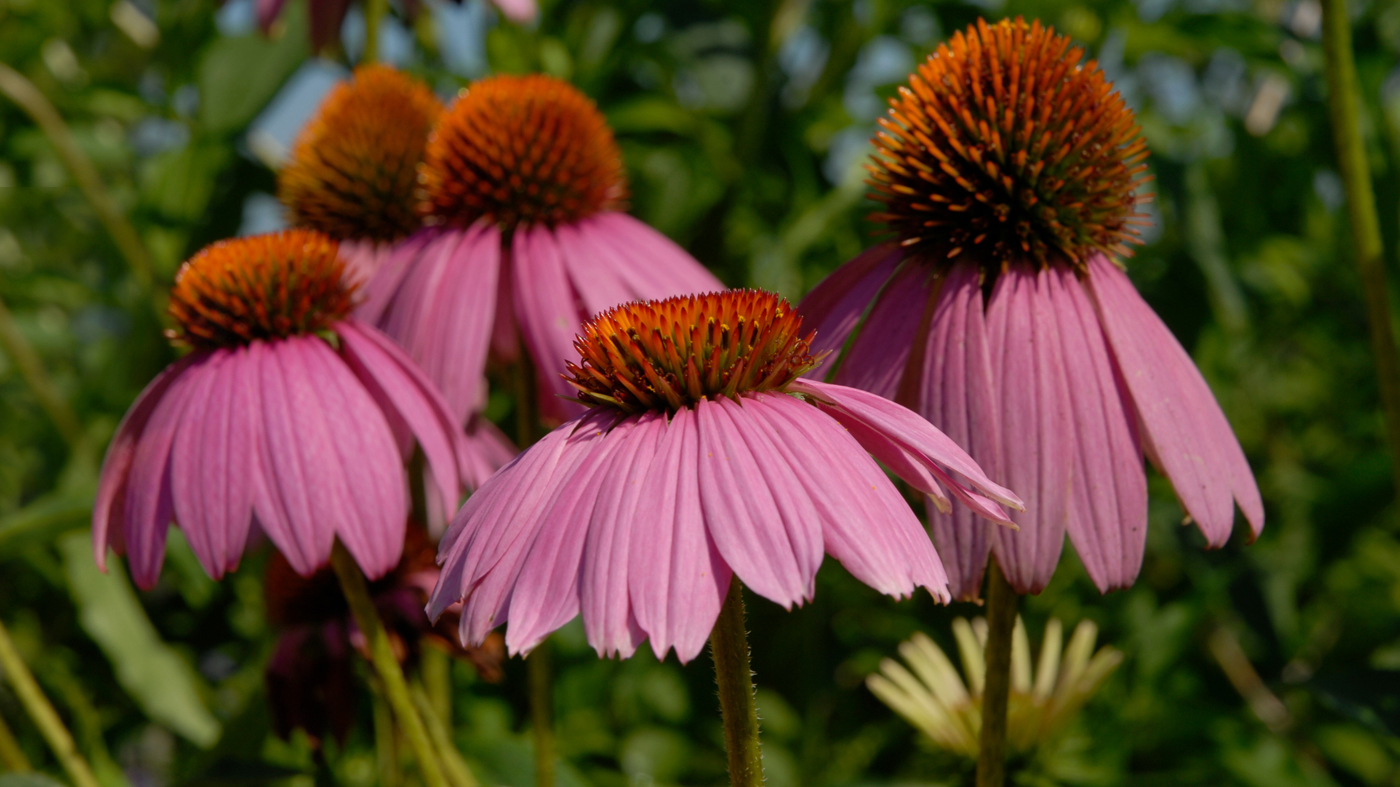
x: 522, y: 150
x: 665, y: 355
x: 262, y: 287
x: 1005, y: 144
x: 353, y: 172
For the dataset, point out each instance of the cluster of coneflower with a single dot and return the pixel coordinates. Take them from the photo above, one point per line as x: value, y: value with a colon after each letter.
x: 703, y: 438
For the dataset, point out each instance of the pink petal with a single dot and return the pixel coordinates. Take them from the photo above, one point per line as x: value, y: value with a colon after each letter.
x: 612, y: 534
x: 518, y: 11
x: 546, y: 592
x: 879, y: 357
x: 350, y: 452
x: 597, y: 275
x: 755, y: 512
x: 865, y: 522
x: 364, y: 258
x: 548, y: 314
x: 211, y: 463
x: 1194, y: 445
x: 383, y: 286
x: 108, y: 509
x: 1037, y: 442
x: 677, y: 579
x: 956, y: 393
x: 907, y: 430
x: 651, y: 264
x: 147, y: 507
x: 836, y: 305
x: 1108, y: 510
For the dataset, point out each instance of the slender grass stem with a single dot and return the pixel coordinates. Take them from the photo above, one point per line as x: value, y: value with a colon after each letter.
x: 11, y: 755
x: 386, y: 665
x: 42, y: 712
x: 1367, y: 246
x: 374, y: 14
x: 1001, y: 619
x: 729, y: 647
x: 31, y: 368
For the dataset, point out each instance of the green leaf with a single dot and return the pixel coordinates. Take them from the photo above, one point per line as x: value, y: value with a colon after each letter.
x: 238, y: 76
x: 152, y: 673
x: 28, y: 780
x: 42, y: 521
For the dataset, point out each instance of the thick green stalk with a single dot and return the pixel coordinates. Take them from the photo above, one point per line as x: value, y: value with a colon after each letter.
x: 43, y: 713
x: 356, y: 589
x: 456, y: 768
x: 386, y: 752
x: 729, y: 647
x: 374, y: 13
x: 1361, y: 211
x: 1001, y: 620
x: 541, y: 690
x: 34, y: 104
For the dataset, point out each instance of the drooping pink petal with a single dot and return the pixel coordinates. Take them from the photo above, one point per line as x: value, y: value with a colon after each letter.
x: 1037, y: 445
x: 956, y: 394
x: 904, y: 428
x: 835, y: 306
x: 1108, y: 507
x: 348, y: 453
x: 597, y: 275
x: 548, y: 314
x: 651, y: 264
x: 758, y: 520
x: 865, y: 522
x: 443, y: 312
x: 518, y: 11
x: 1194, y: 445
x: 878, y: 358
x: 487, y: 451
x: 109, y: 506
x: 211, y: 463
x: 147, y: 504
x: 546, y: 592
x: 383, y: 286
x: 363, y: 258
x: 676, y: 576
x: 612, y: 535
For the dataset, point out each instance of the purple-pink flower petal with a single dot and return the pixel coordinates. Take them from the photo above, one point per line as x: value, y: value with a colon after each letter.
x: 548, y: 315
x: 1037, y: 447
x: 651, y: 263
x: 1192, y: 442
x: 835, y: 306
x: 878, y: 360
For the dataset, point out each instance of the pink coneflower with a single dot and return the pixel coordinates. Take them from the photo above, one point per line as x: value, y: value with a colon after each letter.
x: 703, y: 457
x: 1009, y: 173
x: 289, y: 417
x: 524, y: 187
x: 353, y: 172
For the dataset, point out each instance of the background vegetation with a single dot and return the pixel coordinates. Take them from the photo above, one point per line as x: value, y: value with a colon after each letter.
x: 744, y: 123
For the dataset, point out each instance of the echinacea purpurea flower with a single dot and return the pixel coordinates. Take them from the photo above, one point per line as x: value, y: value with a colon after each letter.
x: 704, y: 456
x: 353, y: 171
x: 289, y: 417
x: 523, y: 188
x: 1008, y: 172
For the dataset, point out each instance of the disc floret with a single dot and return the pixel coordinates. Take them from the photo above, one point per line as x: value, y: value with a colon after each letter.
x: 261, y: 287
x: 353, y: 173
x: 522, y: 150
x: 665, y: 355
x: 1006, y: 143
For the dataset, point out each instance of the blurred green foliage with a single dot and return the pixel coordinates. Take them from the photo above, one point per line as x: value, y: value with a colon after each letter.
x: 744, y: 124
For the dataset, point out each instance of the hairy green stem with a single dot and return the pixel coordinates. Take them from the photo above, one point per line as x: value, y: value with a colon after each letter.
x: 11, y: 755
x: 729, y: 647
x: 374, y: 13
x: 1001, y: 619
x: 386, y: 665
x: 42, y: 712
x: 1361, y: 209
x: 29, y: 98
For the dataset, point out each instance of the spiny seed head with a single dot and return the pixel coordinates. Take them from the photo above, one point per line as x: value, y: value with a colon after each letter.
x: 353, y: 173
x: 1005, y: 143
x: 261, y: 287
x: 665, y: 355
x: 522, y: 150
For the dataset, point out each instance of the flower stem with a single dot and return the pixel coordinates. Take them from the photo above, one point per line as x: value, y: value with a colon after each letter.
x: 11, y: 755
x: 43, y: 713
x: 729, y: 647
x: 352, y: 583
x: 1001, y: 619
x: 541, y: 713
x: 385, y: 750
x: 1361, y: 209
x: 455, y: 768
x: 374, y: 13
